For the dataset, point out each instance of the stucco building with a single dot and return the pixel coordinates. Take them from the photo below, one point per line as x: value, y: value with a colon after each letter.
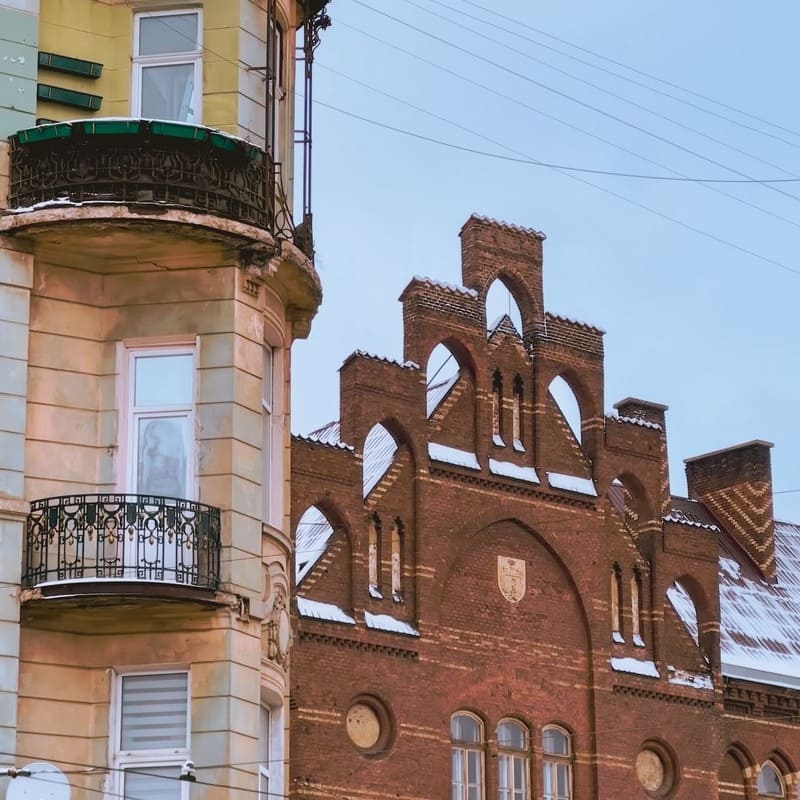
x: 498, y: 594
x: 152, y: 281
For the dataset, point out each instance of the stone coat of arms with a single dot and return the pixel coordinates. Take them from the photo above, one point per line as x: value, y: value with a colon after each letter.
x: 511, y: 578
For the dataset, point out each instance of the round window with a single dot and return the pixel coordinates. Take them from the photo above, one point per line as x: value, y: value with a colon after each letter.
x: 368, y: 725
x: 655, y: 769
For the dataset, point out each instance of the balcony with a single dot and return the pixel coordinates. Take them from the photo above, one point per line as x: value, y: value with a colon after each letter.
x: 147, y: 163
x: 122, y: 544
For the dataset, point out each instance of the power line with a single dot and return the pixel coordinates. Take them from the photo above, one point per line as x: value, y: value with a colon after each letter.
x: 571, y: 75
x: 534, y: 162
x: 567, y: 96
x: 651, y: 77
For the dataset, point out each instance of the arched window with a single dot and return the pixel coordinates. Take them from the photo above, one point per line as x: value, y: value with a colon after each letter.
x: 312, y: 535
x: 616, y: 596
x: 380, y: 449
x: 466, y: 757
x: 374, y: 555
x: 443, y: 371
x: 770, y: 782
x: 516, y: 416
x: 636, y: 608
x: 556, y: 764
x: 499, y: 303
x: 397, y: 559
x: 512, y: 761
x: 497, y: 409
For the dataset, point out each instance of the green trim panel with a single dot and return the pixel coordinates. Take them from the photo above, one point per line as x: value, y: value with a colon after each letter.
x: 44, y: 133
x: 114, y: 127
x: 75, y: 66
x: 69, y: 97
x: 179, y: 130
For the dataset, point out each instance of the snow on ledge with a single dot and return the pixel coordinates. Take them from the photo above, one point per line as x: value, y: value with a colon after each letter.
x: 383, y: 622
x: 617, y: 637
x: 681, y: 677
x: 393, y: 361
x: 451, y: 287
x: 642, y: 423
x: 452, y: 455
x: 509, y: 470
x: 634, y: 666
x: 518, y: 446
x: 375, y: 592
x: 637, y: 640
x: 572, y: 483
x: 497, y: 439
x: 327, y: 611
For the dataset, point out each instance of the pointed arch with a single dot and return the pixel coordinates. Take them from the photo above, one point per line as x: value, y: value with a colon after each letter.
x: 312, y: 536
x: 692, y: 605
x: 380, y: 448
x: 447, y: 363
x: 500, y: 302
x: 628, y: 498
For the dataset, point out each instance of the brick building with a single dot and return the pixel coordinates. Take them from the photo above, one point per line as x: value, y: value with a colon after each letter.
x: 494, y: 603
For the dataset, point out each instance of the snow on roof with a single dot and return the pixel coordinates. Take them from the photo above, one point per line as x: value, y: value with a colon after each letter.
x: 509, y: 470
x: 572, y: 483
x: 383, y: 359
x: 311, y: 540
x: 681, y: 677
x: 503, y: 323
x: 384, y: 622
x: 760, y: 621
x: 329, y: 434
x: 452, y: 455
x: 327, y: 611
x: 379, y: 451
x: 439, y: 390
x: 690, y: 512
x: 643, y: 423
x: 502, y: 224
x: 561, y: 318
x: 634, y: 666
x: 451, y: 287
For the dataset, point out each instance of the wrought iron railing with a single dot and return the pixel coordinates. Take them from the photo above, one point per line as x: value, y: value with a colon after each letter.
x: 122, y: 537
x: 148, y: 162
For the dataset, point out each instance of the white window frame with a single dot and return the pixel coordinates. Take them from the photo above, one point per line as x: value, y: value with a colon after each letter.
x: 270, y: 775
x: 465, y: 749
x: 193, y: 56
x: 127, y: 474
x: 129, y: 759
x: 272, y: 421
x: 552, y: 761
x: 506, y: 752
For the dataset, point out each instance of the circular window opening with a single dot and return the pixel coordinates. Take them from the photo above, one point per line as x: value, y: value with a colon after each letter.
x: 655, y: 769
x: 369, y: 725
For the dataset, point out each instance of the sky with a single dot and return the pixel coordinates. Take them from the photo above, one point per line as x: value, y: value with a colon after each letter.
x: 695, y: 283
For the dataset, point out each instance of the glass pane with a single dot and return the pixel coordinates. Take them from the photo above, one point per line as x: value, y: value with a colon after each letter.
x: 264, y: 736
x: 152, y: 783
x: 163, y: 380
x: 519, y: 773
x: 457, y: 767
x: 562, y: 779
x: 511, y: 735
x: 768, y: 781
x: 167, y: 92
x: 473, y: 768
x: 464, y: 728
x: 161, y: 456
x: 503, y: 776
x: 168, y: 33
x: 154, y: 711
x: 555, y: 742
x: 547, y: 781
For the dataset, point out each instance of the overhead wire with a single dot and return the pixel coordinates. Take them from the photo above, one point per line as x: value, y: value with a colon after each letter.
x: 566, y: 96
x: 649, y: 75
x: 603, y: 89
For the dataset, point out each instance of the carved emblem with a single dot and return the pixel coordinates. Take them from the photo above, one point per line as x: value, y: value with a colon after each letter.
x: 279, y: 630
x: 511, y: 578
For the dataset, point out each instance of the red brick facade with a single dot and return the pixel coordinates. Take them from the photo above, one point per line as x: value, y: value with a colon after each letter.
x: 463, y: 519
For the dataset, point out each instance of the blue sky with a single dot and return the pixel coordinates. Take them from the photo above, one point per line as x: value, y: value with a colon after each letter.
x: 709, y: 329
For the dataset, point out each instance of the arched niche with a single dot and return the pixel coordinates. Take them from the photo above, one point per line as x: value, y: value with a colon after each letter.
x: 312, y: 536
x: 451, y: 394
x: 501, y: 301
x: 734, y: 768
x: 380, y: 448
x: 627, y: 501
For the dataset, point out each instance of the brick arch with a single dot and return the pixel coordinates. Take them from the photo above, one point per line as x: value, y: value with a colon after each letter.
x: 462, y: 353
x: 529, y: 306
x: 399, y: 432
x: 464, y: 542
x: 588, y: 404
x: 707, y: 624
x: 781, y: 759
x: 643, y: 504
x: 736, y: 770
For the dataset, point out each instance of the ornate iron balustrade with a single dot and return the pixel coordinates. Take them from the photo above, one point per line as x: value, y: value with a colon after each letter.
x: 148, y: 162
x: 122, y: 537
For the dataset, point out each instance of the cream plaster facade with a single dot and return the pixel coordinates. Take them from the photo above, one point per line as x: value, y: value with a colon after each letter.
x: 82, y: 287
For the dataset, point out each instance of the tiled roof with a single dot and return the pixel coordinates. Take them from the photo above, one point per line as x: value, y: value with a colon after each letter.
x: 501, y: 224
x: 689, y: 512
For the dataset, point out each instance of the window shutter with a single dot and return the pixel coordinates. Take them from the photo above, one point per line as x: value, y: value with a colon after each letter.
x: 154, y: 711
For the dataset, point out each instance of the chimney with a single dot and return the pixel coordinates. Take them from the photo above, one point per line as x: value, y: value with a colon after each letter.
x: 735, y: 485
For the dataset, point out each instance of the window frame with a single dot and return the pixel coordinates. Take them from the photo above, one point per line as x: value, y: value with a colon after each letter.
x: 127, y: 474
x: 506, y: 752
x: 122, y: 760
x: 465, y: 748
x: 551, y: 762
x: 193, y: 57
x: 778, y: 774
